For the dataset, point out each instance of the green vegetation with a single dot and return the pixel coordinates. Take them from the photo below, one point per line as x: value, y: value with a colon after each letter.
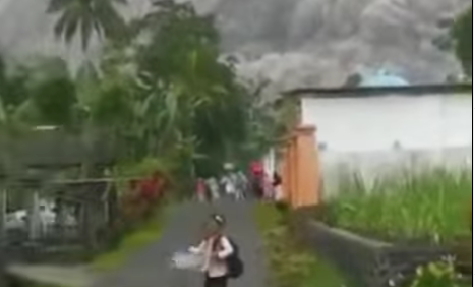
x: 432, y: 205
x: 463, y: 35
x: 159, y: 92
x: 154, y: 98
x: 457, y: 38
x: 42, y: 285
x: 132, y: 242
x: 438, y: 274
x: 99, y: 17
x: 291, y: 264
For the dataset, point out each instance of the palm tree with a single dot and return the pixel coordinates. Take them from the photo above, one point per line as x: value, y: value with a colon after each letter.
x: 87, y: 17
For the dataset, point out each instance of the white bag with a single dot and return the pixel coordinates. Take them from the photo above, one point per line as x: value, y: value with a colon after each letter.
x: 187, y: 261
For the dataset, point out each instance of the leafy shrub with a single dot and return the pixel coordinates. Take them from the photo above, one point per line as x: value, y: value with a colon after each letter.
x: 437, y: 274
x: 140, y: 202
x: 141, y: 189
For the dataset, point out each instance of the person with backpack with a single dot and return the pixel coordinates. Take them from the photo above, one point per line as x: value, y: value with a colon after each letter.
x: 221, y: 260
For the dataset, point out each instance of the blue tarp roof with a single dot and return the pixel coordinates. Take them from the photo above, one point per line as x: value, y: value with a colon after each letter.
x: 382, y: 78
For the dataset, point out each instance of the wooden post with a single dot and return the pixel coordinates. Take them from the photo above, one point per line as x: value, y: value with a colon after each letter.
x: 3, y: 212
x: 61, y: 216
x: 33, y: 221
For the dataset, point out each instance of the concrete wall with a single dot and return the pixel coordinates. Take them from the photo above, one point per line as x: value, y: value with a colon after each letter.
x: 376, y: 123
x: 377, y: 135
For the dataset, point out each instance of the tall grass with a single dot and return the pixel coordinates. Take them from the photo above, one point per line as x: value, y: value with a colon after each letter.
x: 290, y: 263
x: 431, y: 205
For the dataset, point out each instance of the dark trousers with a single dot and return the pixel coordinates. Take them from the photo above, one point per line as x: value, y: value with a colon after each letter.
x: 257, y: 188
x: 216, y: 282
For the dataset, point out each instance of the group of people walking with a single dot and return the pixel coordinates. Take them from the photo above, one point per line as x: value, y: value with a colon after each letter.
x: 236, y: 184
x: 232, y: 184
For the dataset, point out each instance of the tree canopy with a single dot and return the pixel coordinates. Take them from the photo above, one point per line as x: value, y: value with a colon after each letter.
x: 161, y: 91
x: 463, y: 36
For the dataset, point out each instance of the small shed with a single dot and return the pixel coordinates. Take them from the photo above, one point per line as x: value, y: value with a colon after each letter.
x: 51, y: 163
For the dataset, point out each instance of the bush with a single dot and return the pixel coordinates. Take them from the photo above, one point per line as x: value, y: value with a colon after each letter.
x: 437, y: 274
x: 141, y: 188
x: 139, y: 203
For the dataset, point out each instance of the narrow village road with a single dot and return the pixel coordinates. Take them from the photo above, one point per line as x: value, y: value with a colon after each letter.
x: 151, y: 266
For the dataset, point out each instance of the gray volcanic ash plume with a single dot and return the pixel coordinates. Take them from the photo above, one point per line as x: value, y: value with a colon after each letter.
x: 292, y: 42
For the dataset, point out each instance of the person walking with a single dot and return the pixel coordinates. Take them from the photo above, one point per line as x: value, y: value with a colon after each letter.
x: 243, y: 184
x: 220, y: 255
x: 228, y: 185
x: 236, y: 182
x: 279, y: 194
x: 256, y: 171
x: 213, y: 187
x: 200, y: 190
x: 267, y: 186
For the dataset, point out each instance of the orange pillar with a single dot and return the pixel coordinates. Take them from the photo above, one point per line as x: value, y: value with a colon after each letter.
x: 306, y: 191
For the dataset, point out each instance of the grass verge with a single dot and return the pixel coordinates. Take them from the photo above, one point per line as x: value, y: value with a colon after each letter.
x: 291, y: 264
x: 146, y: 234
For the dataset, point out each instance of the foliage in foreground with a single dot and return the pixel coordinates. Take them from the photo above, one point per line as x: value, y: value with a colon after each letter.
x: 437, y: 274
x: 143, y: 235
x: 432, y: 205
x: 291, y: 264
x: 463, y: 35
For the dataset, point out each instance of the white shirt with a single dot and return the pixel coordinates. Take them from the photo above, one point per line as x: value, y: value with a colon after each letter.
x: 214, y: 187
x: 215, y: 265
x: 229, y: 184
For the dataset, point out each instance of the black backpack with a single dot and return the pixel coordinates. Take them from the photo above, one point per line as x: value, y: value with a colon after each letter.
x: 234, y: 262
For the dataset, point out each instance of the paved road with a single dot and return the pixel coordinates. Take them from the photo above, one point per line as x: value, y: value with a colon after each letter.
x: 150, y: 267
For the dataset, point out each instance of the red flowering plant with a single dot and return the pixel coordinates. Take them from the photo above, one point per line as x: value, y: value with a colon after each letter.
x: 141, y: 189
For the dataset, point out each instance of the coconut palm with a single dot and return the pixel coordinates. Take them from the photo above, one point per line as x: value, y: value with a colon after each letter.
x: 87, y: 17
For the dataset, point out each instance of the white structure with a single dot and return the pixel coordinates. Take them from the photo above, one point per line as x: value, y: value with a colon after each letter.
x: 380, y: 129
x: 269, y: 162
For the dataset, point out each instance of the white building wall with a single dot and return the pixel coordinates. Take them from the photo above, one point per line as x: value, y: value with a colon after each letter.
x: 360, y: 134
x: 269, y: 162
